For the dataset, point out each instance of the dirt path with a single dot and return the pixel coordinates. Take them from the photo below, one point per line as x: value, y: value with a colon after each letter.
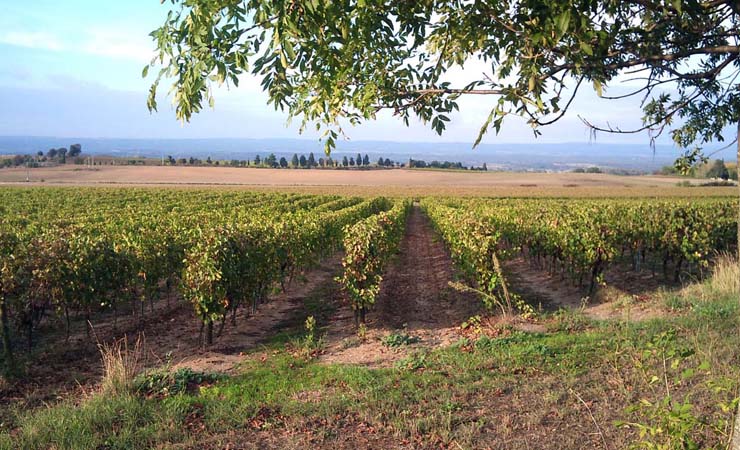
x: 414, y: 298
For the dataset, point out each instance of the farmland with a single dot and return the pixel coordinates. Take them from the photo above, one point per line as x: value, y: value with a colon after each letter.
x: 264, y: 177
x: 281, y: 318
x: 390, y: 182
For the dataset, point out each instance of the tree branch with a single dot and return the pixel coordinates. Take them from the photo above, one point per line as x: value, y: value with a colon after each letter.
x: 455, y: 91
x: 718, y: 50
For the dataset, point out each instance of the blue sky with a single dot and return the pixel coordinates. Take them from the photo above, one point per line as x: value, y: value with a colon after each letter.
x: 73, y: 69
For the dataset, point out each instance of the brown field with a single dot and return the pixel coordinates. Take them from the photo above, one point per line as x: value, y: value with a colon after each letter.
x: 389, y: 182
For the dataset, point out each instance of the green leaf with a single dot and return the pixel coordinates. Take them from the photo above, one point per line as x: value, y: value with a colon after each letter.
x: 597, y: 87
x: 484, y: 127
x: 563, y: 21
x: 587, y: 49
x: 283, y: 60
x: 677, y: 4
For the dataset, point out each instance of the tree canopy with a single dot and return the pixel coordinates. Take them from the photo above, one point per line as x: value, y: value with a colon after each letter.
x: 335, y: 62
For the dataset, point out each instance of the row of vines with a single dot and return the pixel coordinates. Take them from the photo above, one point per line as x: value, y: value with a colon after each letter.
x: 67, y: 254
x: 368, y: 245
x: 580, y: 238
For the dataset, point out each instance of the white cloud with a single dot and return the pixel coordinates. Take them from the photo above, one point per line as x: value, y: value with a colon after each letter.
x: 108, y: 43
x: 38, y: 40
x: 118, y: 45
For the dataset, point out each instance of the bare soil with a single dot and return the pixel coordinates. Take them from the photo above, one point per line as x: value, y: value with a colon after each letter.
x: 401, y: 182
x: 414, y: 299
x: 624, y: 295
x: 178, y: 175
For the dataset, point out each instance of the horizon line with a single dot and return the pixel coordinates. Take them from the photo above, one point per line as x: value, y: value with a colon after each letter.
x: 318, y: 140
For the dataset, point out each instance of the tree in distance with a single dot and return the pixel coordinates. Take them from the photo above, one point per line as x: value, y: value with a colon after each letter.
x: 271, y: 160
x: 75, y: 150
x: 719, y: 170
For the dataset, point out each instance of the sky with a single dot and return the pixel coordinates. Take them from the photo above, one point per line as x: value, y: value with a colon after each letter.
x: 73, y: 68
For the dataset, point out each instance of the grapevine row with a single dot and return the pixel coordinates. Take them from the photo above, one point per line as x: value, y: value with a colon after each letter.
x: 368, y: 245
x: 67, y: 252
x: 581, y: 238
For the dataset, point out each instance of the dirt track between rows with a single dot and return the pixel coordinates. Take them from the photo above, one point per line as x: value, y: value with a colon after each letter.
x: 415, y: 299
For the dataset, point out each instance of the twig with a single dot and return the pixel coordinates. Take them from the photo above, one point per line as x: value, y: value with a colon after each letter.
x: 598, y: 428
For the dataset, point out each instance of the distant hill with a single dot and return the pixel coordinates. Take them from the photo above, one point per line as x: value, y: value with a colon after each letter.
x: 536, y: 156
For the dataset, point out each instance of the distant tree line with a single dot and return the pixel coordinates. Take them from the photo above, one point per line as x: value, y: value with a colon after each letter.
x: 716, y: 169
x: 296, y: 162
x: 419, y: 164
x: 54, y: 155
x: 302, y: 162
x: 593, y: 169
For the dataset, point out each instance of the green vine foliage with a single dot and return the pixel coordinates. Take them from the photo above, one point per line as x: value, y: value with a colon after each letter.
x: 581, y: 238
x: 115, y: 249
x: 368, y: 245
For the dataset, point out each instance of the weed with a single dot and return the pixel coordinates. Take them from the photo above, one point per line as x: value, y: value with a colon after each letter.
x: 309, y: 344
x: 362, y: 332
x: 121, y: 364
x: 461, y: 343
x: 569, y: 321
x: 349, y: 342
x: 395, y: 340
x: 678, y: 302
x: 310, y: 330
x: 473, y: 324
x: 165, y: 384
x: 668, y: 422
x: 415, y: 361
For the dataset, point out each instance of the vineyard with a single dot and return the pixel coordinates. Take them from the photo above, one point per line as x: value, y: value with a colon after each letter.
x: 72, y: 259
x: 69, y: 254
x: 579, y: 239
x: 74, y: 253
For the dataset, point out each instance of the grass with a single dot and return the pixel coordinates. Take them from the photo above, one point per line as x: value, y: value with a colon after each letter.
x: 121, y: 364
x: 719, y: 289
x: 673, y: 378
